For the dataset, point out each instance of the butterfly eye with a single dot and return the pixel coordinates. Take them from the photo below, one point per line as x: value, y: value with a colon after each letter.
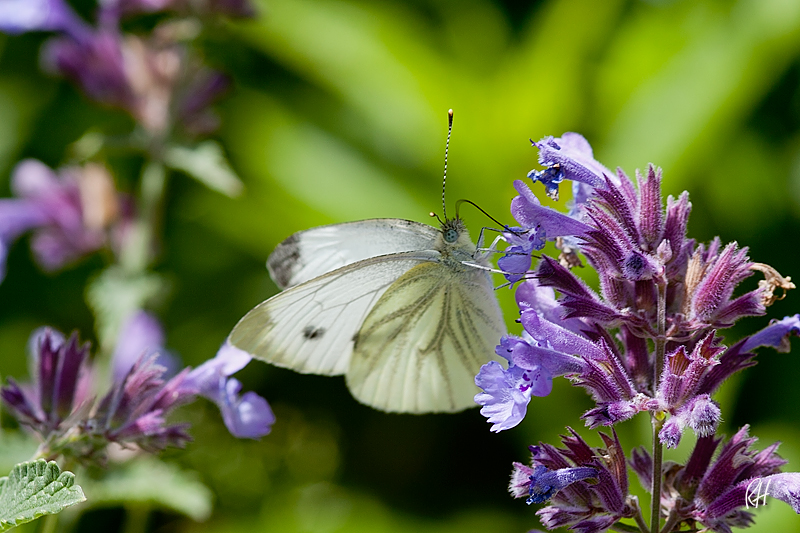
x: 450, y: 235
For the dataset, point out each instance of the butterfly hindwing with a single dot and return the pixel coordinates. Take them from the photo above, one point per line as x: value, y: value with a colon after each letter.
x: 317, y: 251
x: 425, y: 339
x: 310, y: 327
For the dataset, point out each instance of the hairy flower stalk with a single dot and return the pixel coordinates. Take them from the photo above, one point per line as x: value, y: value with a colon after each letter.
x: 647, y: 342
x: 655, y: 419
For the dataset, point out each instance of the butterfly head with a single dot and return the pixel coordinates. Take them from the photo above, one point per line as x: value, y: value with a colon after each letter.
x: 454, y: 230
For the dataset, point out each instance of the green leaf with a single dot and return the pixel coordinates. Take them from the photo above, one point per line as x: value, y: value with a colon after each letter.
x: 34, y: 489
x: 149, y: 481
x: 206, y: 163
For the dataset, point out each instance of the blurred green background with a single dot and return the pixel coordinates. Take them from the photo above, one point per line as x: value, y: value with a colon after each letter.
x: 337, y: 113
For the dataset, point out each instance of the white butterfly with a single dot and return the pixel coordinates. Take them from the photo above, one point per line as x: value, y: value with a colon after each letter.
x: 390, y: 303
x: 406, y: 311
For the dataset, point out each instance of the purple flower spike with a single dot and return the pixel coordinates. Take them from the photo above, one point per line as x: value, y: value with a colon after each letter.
x: 57, y: 391
x: 247, y: 417
x: 135, y: 409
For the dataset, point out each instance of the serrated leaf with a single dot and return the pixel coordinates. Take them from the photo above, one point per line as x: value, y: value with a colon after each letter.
x: 149, y: 481
x: 206, y: 163
x: 34, y: 489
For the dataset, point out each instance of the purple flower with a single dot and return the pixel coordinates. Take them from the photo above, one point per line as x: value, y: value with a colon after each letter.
x: 530, y: 214
x: 95, y: 62
x: 59, y: 387
x: 20, y: 16
x: 775, y: 335
x: 544, y: 483
x: 718, y: 490
x: 134, y: 410
x: 248, y: 416
x: 507, y: 393
x: 645, y: 342
x: 531, y: 369
x: 559, y: 474
x: 69, y: 213
x: 567, y: 157
x: 141, y: 334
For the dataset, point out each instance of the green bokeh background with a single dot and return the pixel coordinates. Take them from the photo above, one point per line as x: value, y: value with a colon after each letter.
x: 338, y: 112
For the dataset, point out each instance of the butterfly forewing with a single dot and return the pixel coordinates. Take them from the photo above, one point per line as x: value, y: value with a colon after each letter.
x: 311, y: 327
x: 425, y: 339
x: 317, y: 251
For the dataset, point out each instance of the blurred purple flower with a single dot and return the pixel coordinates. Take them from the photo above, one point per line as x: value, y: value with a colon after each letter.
x: 248, y: 416
x: 141, y: 334
x: 59, y: 387
x: 20, y: 16
x: 232, y: 8
x: 69, y: 213
x: 95, y: 62
x: 135, y: 409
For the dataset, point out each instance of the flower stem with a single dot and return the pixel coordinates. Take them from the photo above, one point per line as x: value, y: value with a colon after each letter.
x: 657, y: 419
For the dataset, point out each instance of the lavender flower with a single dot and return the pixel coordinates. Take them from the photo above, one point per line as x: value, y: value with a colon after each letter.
x: 20, y: 16
x: 714, y: 493
x: 559, y: 475
x: 248, y: 416
x: 637, y: 248
x: 154, y: 79
x: 646, y: 342
x: 135, y: 409
x: 59, y: 389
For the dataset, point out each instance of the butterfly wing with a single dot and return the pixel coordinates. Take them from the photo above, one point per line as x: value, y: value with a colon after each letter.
x: 425, y: 340
x: 311, y: 253
x: 311, y: 327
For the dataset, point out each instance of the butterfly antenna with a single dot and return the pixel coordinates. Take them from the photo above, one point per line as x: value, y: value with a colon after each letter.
x: 446, y: 148
x: 479, y: 208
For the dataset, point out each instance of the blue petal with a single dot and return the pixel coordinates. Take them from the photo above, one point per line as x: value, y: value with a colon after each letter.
x: 506, y: 394
x: 247, y: 417
x: 775, y: 335
x: 546, y: 483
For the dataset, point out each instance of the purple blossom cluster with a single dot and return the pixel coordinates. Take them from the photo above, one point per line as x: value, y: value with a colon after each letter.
x: 155, y: 78
x: 60, y: 407
x: 648, y: 341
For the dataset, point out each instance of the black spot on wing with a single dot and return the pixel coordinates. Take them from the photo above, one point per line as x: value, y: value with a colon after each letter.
x: 281, y: 263
x: 311, y: 333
